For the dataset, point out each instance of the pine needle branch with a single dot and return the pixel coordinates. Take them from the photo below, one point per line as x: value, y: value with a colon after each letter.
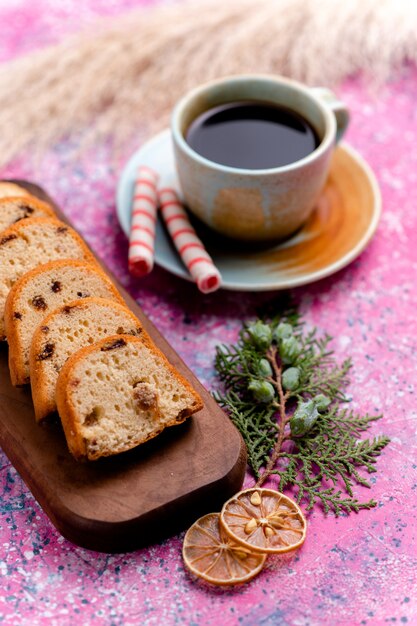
x: 285, y: 392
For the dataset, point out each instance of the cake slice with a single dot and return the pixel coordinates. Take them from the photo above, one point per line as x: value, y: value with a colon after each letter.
x: 11, y: 189
x: 117, y: 394
x: 32, y: 242
x: 63, y: 332
x: 39, y: 292
x: 14, y: 209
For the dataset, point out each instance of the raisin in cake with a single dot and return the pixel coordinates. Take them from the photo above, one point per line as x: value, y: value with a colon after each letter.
x: 32, y: 242
x: 117, y: 394
x: 63, y: 332
x: 14, y: 209
x: 39, y: 292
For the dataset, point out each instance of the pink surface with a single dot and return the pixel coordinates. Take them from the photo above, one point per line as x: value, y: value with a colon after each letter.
x: 352, y: 570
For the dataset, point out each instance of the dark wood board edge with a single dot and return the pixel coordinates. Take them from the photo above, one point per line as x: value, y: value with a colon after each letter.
x: 209, y: 498
x: 93, y: 534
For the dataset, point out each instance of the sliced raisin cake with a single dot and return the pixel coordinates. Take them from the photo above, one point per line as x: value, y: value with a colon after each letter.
x: 39, y: 292
x: 11, y: 189
x: 32, y: 242
x: 117, y: 394
x: 14, y: 209
x: 63, y: 332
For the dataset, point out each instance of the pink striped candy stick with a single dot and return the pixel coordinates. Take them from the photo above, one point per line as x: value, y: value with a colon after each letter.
x: 142, y: 229
x: 190, y: 247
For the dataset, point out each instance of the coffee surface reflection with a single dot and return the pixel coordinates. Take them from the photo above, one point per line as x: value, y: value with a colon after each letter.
x: 251, y: 135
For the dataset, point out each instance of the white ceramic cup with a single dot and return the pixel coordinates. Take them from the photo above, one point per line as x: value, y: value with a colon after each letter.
x: 257, y: 205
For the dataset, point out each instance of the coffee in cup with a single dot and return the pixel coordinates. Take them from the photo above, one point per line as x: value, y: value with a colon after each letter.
x: 251, y: 135
x: 253, y: 153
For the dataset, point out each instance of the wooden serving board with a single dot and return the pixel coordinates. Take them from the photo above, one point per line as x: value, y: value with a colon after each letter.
x: 136, y: 498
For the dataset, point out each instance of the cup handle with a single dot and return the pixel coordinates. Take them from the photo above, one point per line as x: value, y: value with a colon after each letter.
x: 339, y: 109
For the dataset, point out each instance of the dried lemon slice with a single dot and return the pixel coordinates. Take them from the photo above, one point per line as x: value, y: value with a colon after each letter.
x: 264, y: 520
x: 209, y: 553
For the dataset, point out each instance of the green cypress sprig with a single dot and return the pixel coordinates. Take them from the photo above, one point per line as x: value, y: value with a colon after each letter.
x: 285, y: 392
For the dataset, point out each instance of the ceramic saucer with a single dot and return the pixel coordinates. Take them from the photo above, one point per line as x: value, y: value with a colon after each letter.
x: 340, y: 227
